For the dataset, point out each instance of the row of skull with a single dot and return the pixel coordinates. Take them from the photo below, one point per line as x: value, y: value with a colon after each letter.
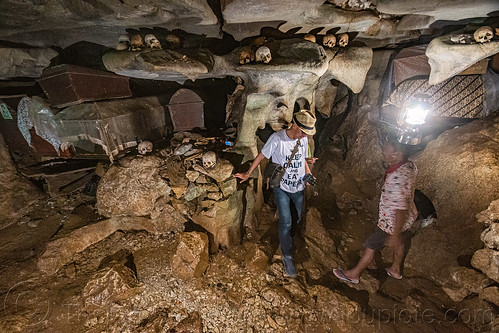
x: 136, y: 42
x: 209, y: 158
x: 262, y: 53
x: 247, y: 55
x: 329, y: 40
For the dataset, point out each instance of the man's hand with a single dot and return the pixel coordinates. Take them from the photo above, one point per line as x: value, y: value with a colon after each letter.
x: 309, y: 178
x: 311, y: 160
x: 243, y: 176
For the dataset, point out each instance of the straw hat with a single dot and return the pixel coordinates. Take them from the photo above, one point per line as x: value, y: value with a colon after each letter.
x: 305, y: 121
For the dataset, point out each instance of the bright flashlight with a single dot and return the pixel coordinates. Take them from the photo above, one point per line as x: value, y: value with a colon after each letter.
x: 416, y: 114
x: 411, y: 120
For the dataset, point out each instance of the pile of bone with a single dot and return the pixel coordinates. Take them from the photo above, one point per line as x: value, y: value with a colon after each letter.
x: 195, y: 172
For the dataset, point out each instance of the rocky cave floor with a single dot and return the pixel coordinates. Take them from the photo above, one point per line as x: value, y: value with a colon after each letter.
x: 124, y: 283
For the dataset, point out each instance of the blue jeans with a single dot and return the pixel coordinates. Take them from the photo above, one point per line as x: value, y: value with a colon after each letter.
x: 283, y: 202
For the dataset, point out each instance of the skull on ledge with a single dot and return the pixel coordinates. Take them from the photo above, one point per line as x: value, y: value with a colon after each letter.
x: 152, y: 42
x: 343, y: 40
x: 246, y: 55
x: 263, y: 55
x: 483, y: 34
x: 329, y: 41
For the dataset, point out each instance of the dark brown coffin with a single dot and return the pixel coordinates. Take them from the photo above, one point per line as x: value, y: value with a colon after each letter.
x: 67, y: 85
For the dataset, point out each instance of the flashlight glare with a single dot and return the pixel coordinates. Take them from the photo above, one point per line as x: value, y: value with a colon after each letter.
x: 416, y: 115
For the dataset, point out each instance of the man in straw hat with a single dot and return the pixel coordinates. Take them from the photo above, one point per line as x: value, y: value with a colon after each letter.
x: 280, y: 147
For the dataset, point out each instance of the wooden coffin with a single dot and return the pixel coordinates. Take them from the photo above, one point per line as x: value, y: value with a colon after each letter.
x: 67, y: 85
x: 479, y: 67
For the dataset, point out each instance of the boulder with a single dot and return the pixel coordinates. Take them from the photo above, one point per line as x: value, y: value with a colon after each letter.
x: 110, y: 285
x: 328, y: 17
x: 490, y: 294
x: 192, y: 324
x: 470, y: 279
x: 463, y: 160
x: 17, y: 193
x: 228, y: 186
x: 415, y: 21
x: 364, y: 167
x: 223, y: 221
x: 319, y: 242
x: 192, y: 175
x: 62, y: 250
x: 487, y: 261
x: 131, y: 188
x: 159, y: 64
x: 191, y: 257
x: 173, y: 170
x: 382, y: 29
x: 455, y: 293
x: 343, y: 314
x: 452, y: 10
x: 169, y: 218
x: 350, y: 66
x: 193, y: 191
x: 24, y: 62
x: 64, y: 25
x: 490, y: 236
x: 430, y: 255
x: 475, y: 313
x: 490, y: 215
x: 242, y: 11
x: 256, y: 258
x: 447, y: 59
x: 220, y: 172
x: 214, y: 196
x: 325, y: 96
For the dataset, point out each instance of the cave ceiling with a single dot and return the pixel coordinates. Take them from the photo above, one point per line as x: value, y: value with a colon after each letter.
x: 60, y: 23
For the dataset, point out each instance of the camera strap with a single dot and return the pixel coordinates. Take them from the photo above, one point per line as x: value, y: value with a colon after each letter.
x: 295, y: 149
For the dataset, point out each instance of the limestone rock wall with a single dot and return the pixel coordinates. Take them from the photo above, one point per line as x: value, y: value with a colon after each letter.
x: 27, y: 62
x: 459, y: 172
x: 17, y: 194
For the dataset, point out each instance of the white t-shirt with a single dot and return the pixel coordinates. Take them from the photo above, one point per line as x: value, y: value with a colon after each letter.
x: 280, y: 147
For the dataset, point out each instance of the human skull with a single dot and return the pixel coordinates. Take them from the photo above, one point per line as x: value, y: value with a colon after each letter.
x: 246, y: 55
x: 310, y: 38
x: 152, y: 42
x: 123, y: 43
x: 263, y: 55
x: 329, y: 41
x: 483, y: 34
x: 209, y: 159
x: 136, y: 42
x: 144, y: 147
x: 343, y: 40
x: 172, y: 41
